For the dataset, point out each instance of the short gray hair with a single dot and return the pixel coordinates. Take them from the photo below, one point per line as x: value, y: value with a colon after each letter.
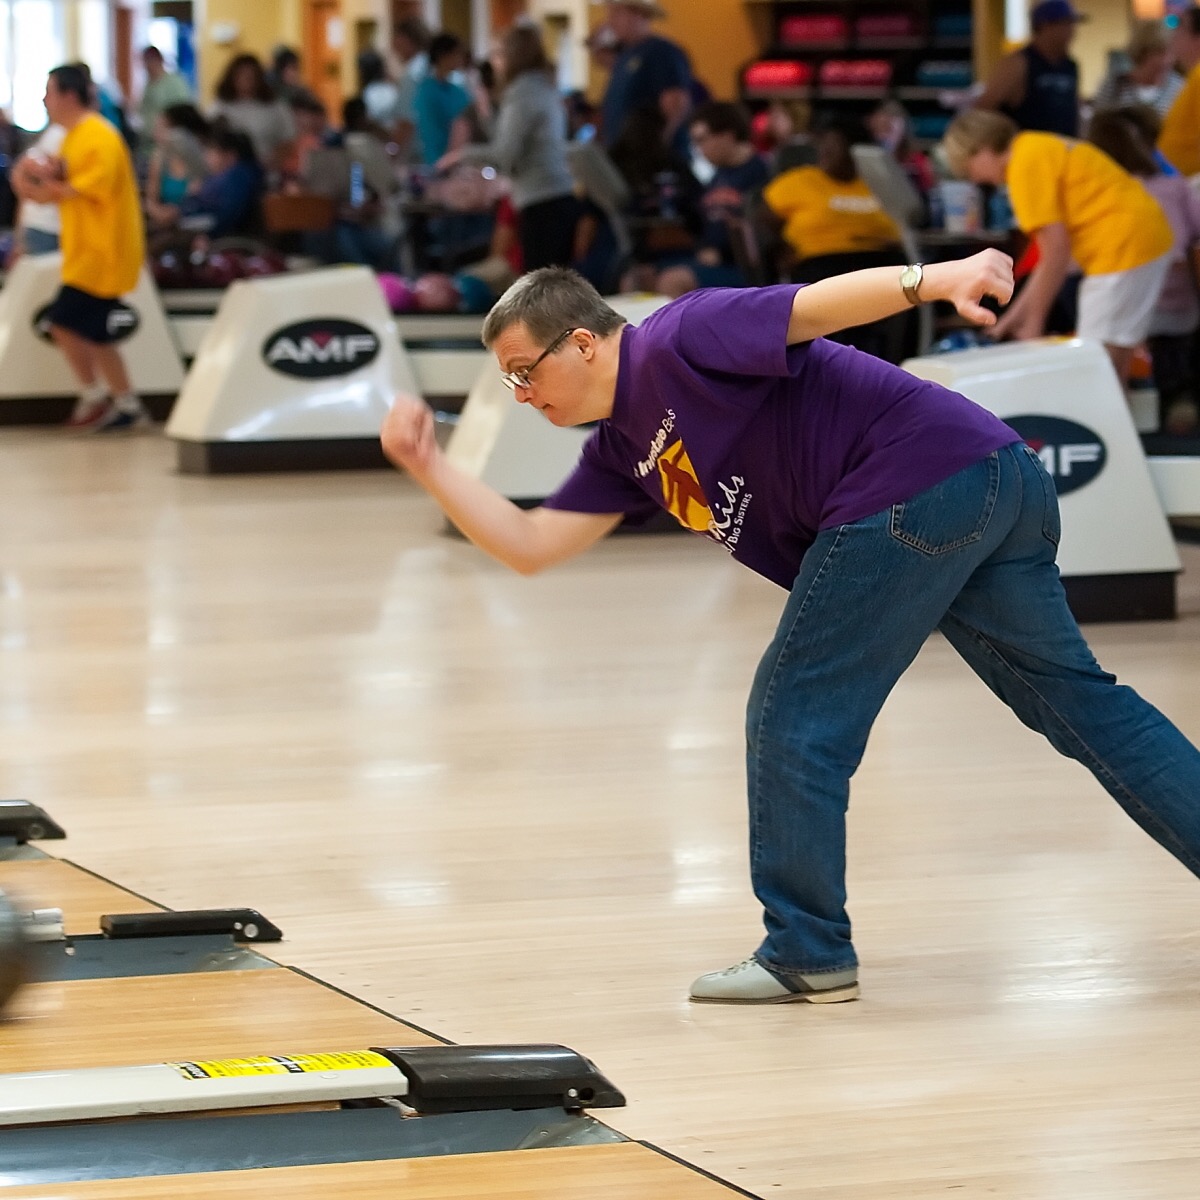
x: 547, y: 302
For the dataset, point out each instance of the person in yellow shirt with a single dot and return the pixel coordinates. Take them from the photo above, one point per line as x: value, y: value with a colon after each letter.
x: 1179, y: 138
x: 103, y: 250
x: 827, y: 209
x: 833, y: 223
x: 1078, y: 205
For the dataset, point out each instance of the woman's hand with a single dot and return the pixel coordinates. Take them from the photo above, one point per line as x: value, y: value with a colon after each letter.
x: 448, y: 162
x: 965, y: 282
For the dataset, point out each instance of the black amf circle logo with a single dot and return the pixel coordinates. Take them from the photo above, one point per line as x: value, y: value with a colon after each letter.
x: 122, y: 322
x: 321, y: 348
x: 1073, y: 454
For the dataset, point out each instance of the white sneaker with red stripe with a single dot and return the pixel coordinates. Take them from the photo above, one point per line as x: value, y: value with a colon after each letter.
x: 89, y: 412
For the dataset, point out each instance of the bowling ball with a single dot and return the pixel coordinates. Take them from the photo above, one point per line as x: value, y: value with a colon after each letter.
x: 474, y: 295
x: 262, y: 264
x: 171, y: 271
x: 960, y: 339
x: 14, y: 956
x: 398, y: 293
x: 436, y: 294
x: 217, y: 269
x: 760, y: 130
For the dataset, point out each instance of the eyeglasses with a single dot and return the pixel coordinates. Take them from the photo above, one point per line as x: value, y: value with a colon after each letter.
x: 520, y: 379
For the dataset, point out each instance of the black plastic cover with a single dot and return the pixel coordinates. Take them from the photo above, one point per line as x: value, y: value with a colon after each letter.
x: 242, y: 924
x: 25, y: 822
x: 477, y: 1078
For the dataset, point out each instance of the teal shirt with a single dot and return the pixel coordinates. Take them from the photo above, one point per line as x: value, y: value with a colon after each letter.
x: 438, y: 103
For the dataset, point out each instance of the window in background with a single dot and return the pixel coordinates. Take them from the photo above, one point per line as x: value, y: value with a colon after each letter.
x: 36, y: 44
x: 1016, y: 21
x: 176, y: 39
x: 95, y: 38
x: 6, y: 81
x: 164, y: 33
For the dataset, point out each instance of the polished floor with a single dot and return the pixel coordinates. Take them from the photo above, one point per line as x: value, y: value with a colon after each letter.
x: 512, y: 809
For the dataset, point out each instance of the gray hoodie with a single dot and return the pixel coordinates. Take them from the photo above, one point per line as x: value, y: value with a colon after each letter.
x: 529, y: 144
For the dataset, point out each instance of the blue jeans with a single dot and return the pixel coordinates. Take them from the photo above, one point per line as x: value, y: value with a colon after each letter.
x: 974, y: 558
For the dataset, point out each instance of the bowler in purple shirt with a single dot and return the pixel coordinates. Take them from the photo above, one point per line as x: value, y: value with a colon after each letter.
x: 887, y: 506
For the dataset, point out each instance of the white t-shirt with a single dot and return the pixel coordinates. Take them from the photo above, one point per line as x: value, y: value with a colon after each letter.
x: 43, y: 216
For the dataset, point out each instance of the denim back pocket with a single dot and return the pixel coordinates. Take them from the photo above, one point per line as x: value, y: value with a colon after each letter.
x: 1051, y: 520
x: 951, y: 514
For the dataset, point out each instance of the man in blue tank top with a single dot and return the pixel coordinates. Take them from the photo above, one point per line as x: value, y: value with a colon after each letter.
x: 1038, y: 85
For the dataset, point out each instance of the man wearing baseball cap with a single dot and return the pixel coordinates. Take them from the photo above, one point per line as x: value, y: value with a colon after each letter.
x: 1038, y: 85
x: 649, y: 71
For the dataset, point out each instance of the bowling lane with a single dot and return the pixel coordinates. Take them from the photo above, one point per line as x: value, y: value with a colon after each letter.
x: 127, y: 1022
x: 55, y: 883
x: 628, y: 1171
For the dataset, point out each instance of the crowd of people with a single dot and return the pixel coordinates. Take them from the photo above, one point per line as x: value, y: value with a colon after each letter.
x: 438, y: 163
x: 1101, y: 190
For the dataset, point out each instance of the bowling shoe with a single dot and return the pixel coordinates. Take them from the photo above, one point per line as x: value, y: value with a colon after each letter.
x: 751, y: 983
x: 120, y: 419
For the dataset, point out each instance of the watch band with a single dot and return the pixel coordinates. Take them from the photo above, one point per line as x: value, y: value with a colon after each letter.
x: 912, y: 290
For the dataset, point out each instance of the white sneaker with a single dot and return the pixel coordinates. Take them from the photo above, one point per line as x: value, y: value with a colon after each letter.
x: 89, y: 412
x: 119, y: 419
x: 751, y: 983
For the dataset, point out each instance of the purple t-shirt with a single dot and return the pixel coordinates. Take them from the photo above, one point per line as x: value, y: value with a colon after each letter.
x: 759, y: 445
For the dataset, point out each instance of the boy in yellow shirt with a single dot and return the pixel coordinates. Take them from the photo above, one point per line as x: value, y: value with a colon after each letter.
x: 1078, y: 205
x: 103, y: 249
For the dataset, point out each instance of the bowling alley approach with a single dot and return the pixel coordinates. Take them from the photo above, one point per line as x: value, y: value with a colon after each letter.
x: 74, y: 1112
x: 599, y: 599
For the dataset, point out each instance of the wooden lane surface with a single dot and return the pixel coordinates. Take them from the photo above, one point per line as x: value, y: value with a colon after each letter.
x: 233, y: 1014
x: 83, y: 897
x: 620, y: 1172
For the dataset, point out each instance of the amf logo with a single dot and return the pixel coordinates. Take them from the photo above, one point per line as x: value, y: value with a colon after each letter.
x: 320, y: 348
x: 1073, y: 454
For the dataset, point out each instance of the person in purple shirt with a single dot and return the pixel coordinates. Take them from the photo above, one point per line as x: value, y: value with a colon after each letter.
x: 886, y: 505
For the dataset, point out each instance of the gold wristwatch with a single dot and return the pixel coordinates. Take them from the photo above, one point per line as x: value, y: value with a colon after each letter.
x: 910, y: 281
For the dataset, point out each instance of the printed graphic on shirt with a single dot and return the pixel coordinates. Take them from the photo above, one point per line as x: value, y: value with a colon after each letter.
x: 854, y: 204
x: 656, y: 445
x: 730, y: 517
x: 683, y: 496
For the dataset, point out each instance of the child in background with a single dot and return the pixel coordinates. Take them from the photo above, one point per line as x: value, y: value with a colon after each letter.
x: 177, y: 166
x: 721, y: 134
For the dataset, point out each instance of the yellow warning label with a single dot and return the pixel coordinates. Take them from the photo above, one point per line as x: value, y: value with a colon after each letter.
x: 278, y: 1064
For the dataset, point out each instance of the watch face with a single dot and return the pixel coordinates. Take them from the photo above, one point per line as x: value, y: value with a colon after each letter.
x: 909, y: 277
